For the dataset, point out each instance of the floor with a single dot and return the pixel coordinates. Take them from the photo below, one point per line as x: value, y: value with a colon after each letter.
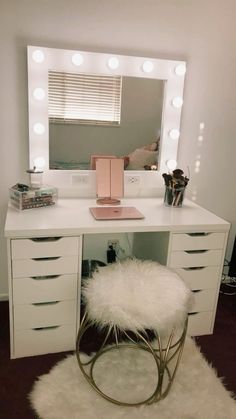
x: 17, y: 376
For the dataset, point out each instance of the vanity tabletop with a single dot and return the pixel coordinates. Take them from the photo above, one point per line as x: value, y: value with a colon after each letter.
x: 71, y: 217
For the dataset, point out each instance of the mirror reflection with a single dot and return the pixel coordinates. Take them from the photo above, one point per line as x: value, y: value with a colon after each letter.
x: 135, y: 138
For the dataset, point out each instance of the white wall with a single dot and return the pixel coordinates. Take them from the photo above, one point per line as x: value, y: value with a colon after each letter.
x: 202, y: 32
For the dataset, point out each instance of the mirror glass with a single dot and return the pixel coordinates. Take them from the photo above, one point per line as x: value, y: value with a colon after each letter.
x: 136, y: 138
x: 152, y: 97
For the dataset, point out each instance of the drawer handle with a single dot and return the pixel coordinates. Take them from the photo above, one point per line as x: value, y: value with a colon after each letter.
x: 50, y: 258
x: 195, y: 291
x: 190, y: 252
x: 41, y: 278
x: 195, y: 268
x: 193, y: 313
x: 45, y: 303
x: 198, y: 234
x: 45, y: 328
x: 45, y: 239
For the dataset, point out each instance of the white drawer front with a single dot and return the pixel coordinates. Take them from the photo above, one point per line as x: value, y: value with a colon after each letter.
x: 185, y: 259
x: 29, y: 316
x: 200, y: 277
x: 42, y: 341
x: 198, y: 241
x: 43, y: 288
x: 204, y: 300
x: 44, y: 247
x: 39, y: 267
x: 200, y: 323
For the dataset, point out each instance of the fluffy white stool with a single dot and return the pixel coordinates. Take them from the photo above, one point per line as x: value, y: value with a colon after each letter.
x: 128, y: 299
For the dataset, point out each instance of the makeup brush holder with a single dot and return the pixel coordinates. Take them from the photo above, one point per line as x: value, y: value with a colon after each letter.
x: 174, y: 196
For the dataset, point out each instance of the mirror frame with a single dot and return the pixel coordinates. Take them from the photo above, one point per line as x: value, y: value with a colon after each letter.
x: 41, y: 59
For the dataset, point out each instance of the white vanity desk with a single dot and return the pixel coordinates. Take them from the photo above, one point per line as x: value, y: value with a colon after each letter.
x: 45, y: 255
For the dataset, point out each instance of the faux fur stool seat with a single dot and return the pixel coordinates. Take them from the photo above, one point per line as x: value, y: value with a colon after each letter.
x: 133, y: 296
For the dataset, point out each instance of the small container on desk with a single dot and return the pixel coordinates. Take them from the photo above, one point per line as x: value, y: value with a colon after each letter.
x: 35, y: 178
x: 174, y: 196
x: 22, y: 198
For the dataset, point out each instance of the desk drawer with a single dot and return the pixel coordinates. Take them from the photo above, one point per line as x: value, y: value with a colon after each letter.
x: 42, y: 341
x: 56, y: 313
x: 187, y: 259
x: 44, y: 247
x: 44, y: 288
x: 198, y: 278
x: 200, y: 323
x: 45, y: 266
x: 204, y: 300
x: 198, y: 241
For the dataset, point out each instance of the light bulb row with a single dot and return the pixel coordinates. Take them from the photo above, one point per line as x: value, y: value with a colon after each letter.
x: 112, y: 62
x: 40, y: 163
x: 39, y: 94
x: 39, y: 129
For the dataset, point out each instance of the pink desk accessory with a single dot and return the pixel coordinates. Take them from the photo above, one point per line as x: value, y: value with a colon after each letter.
x: 110, y: 180
x: 95, y: 157
x: 116, y: 213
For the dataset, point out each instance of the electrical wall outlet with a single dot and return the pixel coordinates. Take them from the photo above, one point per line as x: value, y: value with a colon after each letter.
x: 79, y: 179
x: 133, y: 180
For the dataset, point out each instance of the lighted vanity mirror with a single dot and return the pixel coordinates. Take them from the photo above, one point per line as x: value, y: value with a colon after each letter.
x: 150, y: 111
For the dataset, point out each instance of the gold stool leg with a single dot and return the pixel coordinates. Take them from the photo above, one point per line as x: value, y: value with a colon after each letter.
x: 162, y: 356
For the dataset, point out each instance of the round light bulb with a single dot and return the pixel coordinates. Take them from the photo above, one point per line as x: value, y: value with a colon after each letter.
x: 177, y: 102
x: 180, y: 70
x: 174, y: 134
x: 39, y: 163
x: 77, y: 59
x: 38, y: 56
x: 171, y: 164
x: 148, y: 66
x: 39, y: 128
x: 39, y: 93
x: 113, y: 63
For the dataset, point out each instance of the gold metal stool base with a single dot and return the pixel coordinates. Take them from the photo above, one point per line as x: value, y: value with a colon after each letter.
x: 166, y: 356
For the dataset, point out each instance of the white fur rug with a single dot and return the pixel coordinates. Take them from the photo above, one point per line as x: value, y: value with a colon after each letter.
x: 197, y: 393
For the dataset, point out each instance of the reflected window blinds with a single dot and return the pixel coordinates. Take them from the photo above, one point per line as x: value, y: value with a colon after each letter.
x: 84, y: 98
